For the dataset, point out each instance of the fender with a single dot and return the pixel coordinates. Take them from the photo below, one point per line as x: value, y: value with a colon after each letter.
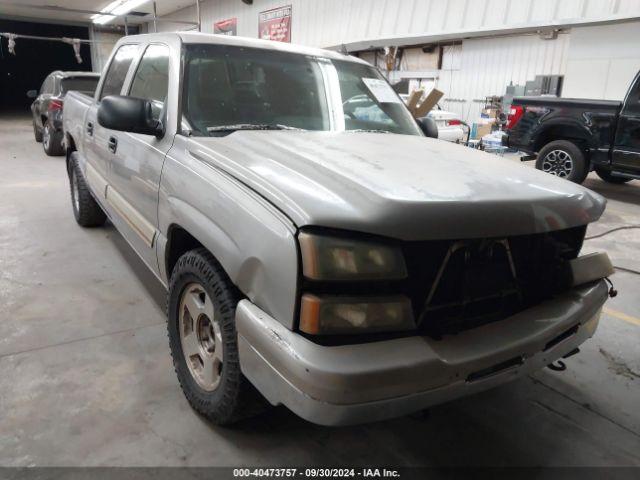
x: 256, y: 247
x: 562, y: 127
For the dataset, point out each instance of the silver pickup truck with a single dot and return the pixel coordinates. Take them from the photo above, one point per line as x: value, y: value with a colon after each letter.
x: 318, y: 249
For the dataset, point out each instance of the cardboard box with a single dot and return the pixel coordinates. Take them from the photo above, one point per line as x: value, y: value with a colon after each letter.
x: 414, y: 98
x: 483, y: 130
x: 490, y: 112
x: 428, y: 103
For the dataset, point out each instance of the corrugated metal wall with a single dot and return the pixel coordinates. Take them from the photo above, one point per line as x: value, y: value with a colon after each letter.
x: 602, y: 61
x: 332, y: 22
x: 486, y: 66
x: 478, y: 67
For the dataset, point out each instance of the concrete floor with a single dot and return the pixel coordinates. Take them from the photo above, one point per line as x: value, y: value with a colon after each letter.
x: 86, y: 378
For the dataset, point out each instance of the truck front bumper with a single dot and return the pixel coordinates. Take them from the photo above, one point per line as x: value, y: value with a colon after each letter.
x: 346, y: 384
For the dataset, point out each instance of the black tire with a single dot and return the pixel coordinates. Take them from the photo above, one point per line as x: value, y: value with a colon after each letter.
x: 607, y: 177
x: 37, y: 133
x: 52, y: 141
x: 85, y: 208
x: 563, y: 159
x: 234, y: 398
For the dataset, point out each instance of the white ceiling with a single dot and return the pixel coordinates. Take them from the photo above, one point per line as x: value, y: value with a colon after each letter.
x: 32, y: 9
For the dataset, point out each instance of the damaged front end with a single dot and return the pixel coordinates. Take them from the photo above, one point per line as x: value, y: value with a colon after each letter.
x: 437, y: 287
x: 458, y: 285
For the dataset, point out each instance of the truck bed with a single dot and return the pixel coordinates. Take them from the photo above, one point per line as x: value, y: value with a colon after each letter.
x: 76, y: 106
x: 588, y: 121
x: 582, y: 103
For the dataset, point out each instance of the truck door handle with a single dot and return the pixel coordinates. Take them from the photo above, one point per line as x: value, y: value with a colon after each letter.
x: 113, y: 144
x: 90, y: 129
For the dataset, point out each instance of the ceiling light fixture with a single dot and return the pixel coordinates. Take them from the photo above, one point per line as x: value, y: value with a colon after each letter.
x: 115, y: 8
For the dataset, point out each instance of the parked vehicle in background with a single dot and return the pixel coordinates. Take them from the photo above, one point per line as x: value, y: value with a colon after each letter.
x: 46, y: 109
x: 571, y: 137
x: 343, y: 265
x: 450, y: 127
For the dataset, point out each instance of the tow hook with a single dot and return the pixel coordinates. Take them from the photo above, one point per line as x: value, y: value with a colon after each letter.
x: 560, y: 366
x: 612, y: 291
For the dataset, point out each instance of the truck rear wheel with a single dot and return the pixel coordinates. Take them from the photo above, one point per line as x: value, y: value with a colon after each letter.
x: 563, y: 159
x: 52, y: 141
x: 607, y: 177
x: 85, y: 208
x: 201, y: 307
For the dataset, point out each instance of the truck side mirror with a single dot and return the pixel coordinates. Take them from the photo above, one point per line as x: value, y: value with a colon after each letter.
x: 128, y: 114
x: 32, y: 93
x: 428, y: 126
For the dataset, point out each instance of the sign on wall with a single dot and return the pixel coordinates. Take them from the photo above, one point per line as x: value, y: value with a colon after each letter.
x: 226, y: 27
x: 275, y: 24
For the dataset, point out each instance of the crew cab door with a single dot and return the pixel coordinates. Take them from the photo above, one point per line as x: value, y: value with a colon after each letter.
x: 96, y: 137
x: 626, y: 149
x: 136, y: 160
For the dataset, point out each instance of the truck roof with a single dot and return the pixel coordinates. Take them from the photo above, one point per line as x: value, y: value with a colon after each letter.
x: 67, y: 74
x: 213, y: 39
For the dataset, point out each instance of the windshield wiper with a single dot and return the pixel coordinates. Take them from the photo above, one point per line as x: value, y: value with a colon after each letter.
x: 364, y: 130
x: 251, y: 126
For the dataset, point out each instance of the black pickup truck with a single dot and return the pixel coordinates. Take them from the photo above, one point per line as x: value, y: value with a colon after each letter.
x: 571, y: 137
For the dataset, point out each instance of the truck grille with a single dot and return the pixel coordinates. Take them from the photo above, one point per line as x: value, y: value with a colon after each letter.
x: 461, y: 284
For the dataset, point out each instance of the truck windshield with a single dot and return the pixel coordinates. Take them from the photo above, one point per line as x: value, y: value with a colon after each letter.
x: 229, y: 88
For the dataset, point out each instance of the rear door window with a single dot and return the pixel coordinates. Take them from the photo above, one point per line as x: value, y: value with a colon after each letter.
x: 115, y: 76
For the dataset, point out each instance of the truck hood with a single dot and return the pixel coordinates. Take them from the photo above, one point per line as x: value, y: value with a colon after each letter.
x: 400, y: 186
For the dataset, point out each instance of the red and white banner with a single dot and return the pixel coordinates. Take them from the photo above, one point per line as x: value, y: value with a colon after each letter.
x: 226, y: 27
x: 275, y: 24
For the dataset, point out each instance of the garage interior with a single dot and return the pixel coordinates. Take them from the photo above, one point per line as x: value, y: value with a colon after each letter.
x: 86, y: 376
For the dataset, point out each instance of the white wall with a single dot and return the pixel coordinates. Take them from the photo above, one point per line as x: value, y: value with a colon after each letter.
x: 597, y: 61
x: 486, y: 66
x: 100, y: 51
x: 602, y: 61
x: 324, y: 23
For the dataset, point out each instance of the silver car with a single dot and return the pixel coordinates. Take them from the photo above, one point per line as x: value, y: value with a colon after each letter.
x: 341, y: 264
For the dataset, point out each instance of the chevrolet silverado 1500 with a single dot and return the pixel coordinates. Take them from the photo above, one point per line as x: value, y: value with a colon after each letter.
x: 571, y: 137
x: 347, y: 267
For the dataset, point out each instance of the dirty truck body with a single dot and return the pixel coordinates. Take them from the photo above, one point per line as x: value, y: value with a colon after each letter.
x: 369, y: 271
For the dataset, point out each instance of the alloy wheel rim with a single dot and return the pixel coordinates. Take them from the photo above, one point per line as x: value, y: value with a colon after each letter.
x: 558, y: 162
x: 200, y: 337
x: 46, y: 137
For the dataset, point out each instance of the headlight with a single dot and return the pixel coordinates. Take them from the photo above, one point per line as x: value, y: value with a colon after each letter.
x: 331, y: 258
x: 326, y: 315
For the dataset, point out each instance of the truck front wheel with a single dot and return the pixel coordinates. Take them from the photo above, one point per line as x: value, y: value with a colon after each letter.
x: 563, y: 159
x: 201, y: 308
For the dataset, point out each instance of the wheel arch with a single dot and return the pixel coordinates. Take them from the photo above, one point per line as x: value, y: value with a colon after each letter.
x: 70, y: 147
x: 179, y: 242
x: 562, y: 131
x: 250, y: 253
